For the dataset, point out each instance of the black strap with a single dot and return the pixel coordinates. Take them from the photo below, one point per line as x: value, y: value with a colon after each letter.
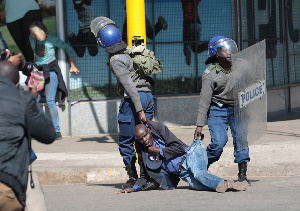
x: 27, y: 133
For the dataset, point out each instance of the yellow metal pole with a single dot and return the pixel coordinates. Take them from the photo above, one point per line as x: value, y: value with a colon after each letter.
x: 136, y: 23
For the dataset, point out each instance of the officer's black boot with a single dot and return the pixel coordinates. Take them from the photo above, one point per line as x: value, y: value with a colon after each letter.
x: 242, y: 176
x: 132, y: 173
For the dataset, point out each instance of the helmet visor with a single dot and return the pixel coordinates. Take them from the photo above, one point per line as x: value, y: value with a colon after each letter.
x: 225, y: 46
x: 99, y: 23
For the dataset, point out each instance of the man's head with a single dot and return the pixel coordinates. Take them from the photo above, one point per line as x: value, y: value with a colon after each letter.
x: 221, y: 48
x: 9, y: 70
x: 143, y: 135
x: 105, y: 31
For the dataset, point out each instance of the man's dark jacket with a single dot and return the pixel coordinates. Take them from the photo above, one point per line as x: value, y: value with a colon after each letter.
x: 174, y: 147
x: 14, y: 145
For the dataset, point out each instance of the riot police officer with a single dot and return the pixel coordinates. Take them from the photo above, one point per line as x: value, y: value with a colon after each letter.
x: 137, y: 104
x: 217, y: 103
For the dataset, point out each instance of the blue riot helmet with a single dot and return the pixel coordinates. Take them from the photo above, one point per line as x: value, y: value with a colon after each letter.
x: 105, y: 31
x: 216, y: 44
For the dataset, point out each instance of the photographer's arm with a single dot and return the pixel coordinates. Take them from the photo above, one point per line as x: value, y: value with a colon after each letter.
x: 25, y: 67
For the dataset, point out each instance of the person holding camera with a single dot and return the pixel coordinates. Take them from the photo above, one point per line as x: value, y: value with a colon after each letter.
x: 16, y: 59
x: 20, y: 116
x: 216, y: 105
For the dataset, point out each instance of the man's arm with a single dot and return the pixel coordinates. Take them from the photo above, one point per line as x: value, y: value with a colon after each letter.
x: 40, y: 127
x: 174, y: 146
x: 205, y: 98
x: 122, y: 73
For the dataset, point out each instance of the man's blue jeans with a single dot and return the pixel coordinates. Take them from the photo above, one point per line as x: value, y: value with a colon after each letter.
x: 128, y: 118
x: 194, y: 168
x: 50, y: 93
x: 218, y: 121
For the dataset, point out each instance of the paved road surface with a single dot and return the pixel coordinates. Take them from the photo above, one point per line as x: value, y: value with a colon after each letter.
x: 265, y: 193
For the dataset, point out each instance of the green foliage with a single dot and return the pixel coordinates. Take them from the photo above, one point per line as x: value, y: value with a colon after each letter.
x: 50, y: 22
x: 93, y: 92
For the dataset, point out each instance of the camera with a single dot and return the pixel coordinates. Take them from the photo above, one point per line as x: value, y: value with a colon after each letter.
x: 25, y: 67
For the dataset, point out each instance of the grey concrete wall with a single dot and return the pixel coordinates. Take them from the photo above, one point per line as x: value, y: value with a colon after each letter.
x: 94, y: 117
x: 277, y: 101
x: 177, y: 111
x: 295, y: 100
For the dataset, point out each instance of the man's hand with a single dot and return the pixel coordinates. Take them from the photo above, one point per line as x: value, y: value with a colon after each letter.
x: 15, y: 59
x: 32, y: 90
x: 198, y: 132
x: 142, y: 116
x: 127, y: 190
x: 153, y: 150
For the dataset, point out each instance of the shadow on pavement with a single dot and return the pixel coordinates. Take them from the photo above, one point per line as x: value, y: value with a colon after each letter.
x: 104, y: 139
x: 115, y: 185
x: 280, y: 133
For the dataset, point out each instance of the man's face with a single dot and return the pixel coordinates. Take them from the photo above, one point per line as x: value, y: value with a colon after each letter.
x: 226, y: 54
x: 145, y: 137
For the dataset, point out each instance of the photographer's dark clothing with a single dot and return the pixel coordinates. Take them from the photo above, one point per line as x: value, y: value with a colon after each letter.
x: 14, y: 145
